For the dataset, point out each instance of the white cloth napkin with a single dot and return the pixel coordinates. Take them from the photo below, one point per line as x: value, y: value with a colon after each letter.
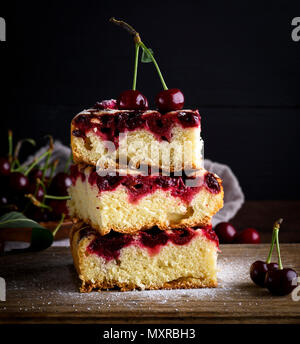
x: 233, y: 194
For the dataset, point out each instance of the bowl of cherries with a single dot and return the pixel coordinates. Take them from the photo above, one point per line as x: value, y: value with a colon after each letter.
x: 32, y: 195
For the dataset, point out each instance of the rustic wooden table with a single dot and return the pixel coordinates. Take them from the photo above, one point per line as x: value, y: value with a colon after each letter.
x: 43, y: 288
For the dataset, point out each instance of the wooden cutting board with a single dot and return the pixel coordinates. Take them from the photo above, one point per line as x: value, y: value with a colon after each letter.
x: 43, y: 288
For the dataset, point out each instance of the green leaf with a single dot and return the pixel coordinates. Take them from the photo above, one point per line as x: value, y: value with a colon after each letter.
x: 145, y: 56
x: 41, y: 237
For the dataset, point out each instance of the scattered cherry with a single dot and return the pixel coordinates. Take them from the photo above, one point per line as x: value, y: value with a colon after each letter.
x: 38, y: 192
x: 274, y: 277
x: 132, y: 100
x: 282, y: 281
x: 258, y: 271
x: 4, y: 167
x: 40, y: 214
x: 59, y: 207
x: 169, y: 100
x: 18, y: 182
x: 273, y: 266
x: 226, y: 232
x: 248, y: 236
x: 60, y: 184
x: 34, y: 174
x: 4, y: 184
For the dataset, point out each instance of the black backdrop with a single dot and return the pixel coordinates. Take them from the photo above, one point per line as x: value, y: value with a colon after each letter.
x: 235, y: 61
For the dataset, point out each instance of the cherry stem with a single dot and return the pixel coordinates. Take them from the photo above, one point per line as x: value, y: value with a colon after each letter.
x: 136, y: 62
x: 155, y: 64
x: 37, y: 203
x: 36, y: 162
x: 50, y: 150
x: 268, y: 261
x: 138, y: 41
x: 59, y: 225
x: 58, y: 197
x: 14, y: 163
x: 276, y: 230
x: 52, y: 170
x: 19, y: 145
x: 67, y: 165
x: 10, y: 145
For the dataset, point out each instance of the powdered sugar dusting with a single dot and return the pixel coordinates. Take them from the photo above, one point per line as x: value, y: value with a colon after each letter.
x: 53, y: 287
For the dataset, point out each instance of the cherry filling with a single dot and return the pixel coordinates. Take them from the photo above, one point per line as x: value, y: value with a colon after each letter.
x: 211, y: 234
x: 85, y: 232
x: 153, y: 238
x: 75, y: 173
x: 109, y: 125
x: 139, y: 186
x: 182, y: 236
x: 110, y: 245
x: 212, y: 183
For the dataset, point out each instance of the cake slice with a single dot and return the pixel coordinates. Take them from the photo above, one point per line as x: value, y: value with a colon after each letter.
x: 154, y: 259
x: 131, y: 203
x: 116, y: 139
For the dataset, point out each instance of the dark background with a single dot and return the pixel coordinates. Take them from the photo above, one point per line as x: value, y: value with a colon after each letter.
x: 235, y: 61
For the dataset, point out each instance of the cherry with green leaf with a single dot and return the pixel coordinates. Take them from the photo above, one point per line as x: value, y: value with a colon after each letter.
x: 166, y: 100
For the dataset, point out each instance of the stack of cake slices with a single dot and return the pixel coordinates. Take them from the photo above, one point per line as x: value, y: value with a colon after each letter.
x: 141, y: 201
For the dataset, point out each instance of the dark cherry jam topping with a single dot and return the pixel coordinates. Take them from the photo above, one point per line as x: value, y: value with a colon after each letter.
x: 211, y: 234
x: 212, y: 183
x: 110, y: 125
x: 182, y: 236
x: 106, y: 104
x: 189, y: 119
x: 76, y: 173
x: 109, y: 246
x: 78, y: 133
x: 140, y: 186
x: 153, y: 237
x: 85, y: 232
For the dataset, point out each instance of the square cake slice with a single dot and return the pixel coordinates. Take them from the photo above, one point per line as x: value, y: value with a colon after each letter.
x: 131, y: 203
x: 117, y: 139
x: 154, y: 259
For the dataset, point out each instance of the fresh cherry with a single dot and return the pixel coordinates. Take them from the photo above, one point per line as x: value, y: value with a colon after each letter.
x: 169, y: 100
x: 132, y: 100
x: 40, y: 214
x: 4, y: 167
x: 226, y: 232
x: 4, y: 184
x: 282, y: 281
x: 248, y: 236
x: 59, y: 207
x: 34, y: 174
x: 37, y: 191
x: 60, y: 184
x: 18, y: 182
x: 258, y: 271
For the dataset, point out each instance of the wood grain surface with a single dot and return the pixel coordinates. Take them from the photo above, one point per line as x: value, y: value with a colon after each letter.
x: 43, y: 288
